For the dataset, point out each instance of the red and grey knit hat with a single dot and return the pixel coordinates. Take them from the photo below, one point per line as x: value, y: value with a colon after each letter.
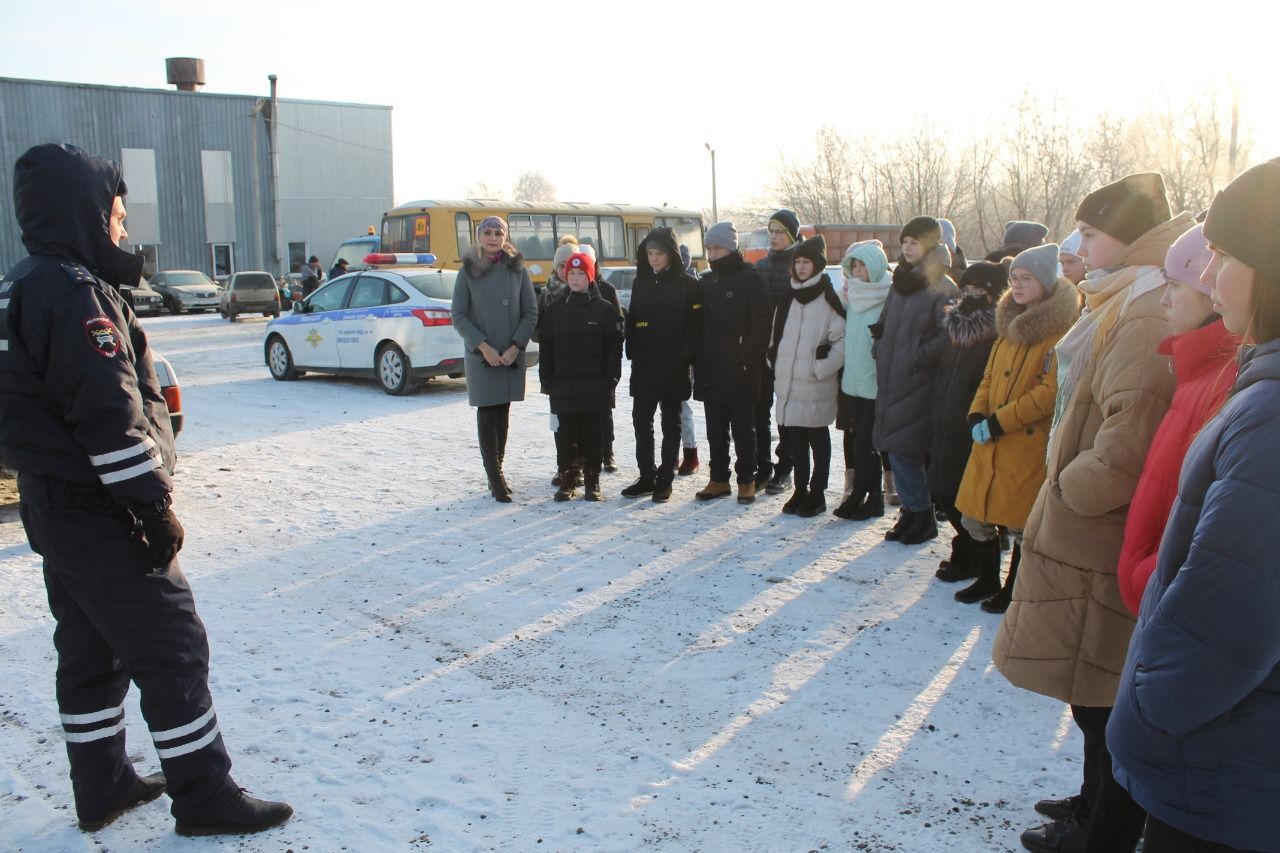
x: 581, y: 261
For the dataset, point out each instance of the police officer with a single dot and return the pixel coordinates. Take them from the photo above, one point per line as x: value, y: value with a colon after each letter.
x: 83, y: 422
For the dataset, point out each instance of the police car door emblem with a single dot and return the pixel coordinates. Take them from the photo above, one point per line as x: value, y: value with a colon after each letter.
x: 103, y: 336
x: 314, y: 338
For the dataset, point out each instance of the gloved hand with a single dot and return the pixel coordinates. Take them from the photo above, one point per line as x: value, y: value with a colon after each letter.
x: 823, y: 351
x: 981, y: 432
x: 164, y: 537
x: 876, y: 330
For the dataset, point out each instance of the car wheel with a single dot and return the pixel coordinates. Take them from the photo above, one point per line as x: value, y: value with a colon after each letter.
x: 231, y: 316
x: 172, y: 305
x: 393, y: 370
x: 280, y: 360
x: 456, y: 375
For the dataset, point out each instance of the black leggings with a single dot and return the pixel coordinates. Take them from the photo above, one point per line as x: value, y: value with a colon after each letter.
x: 809, y: 444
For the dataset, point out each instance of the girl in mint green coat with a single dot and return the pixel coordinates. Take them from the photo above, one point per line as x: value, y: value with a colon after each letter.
x: 866, y: 286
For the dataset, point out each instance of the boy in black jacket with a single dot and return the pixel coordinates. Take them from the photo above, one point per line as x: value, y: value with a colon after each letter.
x: 579, y: 365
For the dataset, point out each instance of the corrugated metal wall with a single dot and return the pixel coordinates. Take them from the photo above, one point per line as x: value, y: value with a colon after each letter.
x: 335, y: 162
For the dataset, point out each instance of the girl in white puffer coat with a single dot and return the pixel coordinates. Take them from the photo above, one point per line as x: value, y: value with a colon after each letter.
x: 807, y: 353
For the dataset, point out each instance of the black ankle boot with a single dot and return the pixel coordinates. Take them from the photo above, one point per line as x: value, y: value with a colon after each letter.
x: 1000, y: 602
x: 797, y: 497
x: 872, y: 507
x: 986, y: 563
x: 237, y: 814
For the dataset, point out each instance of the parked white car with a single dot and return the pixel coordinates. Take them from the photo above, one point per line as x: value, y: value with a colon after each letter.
x: 392, y: 325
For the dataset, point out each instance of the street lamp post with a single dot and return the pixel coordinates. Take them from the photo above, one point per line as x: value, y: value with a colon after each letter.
x: 715, y: 211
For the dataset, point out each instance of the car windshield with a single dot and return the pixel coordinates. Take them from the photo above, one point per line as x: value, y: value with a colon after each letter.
x: 181, y: 278
x: 434, y: 284
x: 255, y: 280
x: 354, y: 253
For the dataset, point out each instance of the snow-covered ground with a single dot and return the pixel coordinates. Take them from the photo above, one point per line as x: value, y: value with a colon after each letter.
x: 415, y: 666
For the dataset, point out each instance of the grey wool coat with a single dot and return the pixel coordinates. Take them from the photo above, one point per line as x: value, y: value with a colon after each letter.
x: 494, y: 303
x: 908, y: 352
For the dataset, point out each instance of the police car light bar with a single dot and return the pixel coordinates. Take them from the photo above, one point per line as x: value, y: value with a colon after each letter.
x: 399, y: 258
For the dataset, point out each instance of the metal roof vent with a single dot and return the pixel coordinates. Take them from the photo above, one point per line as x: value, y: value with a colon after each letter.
x: 187, y: 73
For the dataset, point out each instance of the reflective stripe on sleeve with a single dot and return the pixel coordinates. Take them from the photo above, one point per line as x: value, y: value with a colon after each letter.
x: 118, y: 455
x: 129, y: 473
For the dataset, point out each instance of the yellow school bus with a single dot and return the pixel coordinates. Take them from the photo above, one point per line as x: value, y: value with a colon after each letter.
x: 448, y: 228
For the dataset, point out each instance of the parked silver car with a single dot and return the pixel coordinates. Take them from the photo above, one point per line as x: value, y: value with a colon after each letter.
x: 250, y: 293
x: 186, y: 290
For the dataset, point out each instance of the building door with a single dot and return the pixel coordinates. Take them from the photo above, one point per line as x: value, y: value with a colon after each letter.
x: 222, y: 260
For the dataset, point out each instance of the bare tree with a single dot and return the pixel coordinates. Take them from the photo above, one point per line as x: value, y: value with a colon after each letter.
x: 532, y: 185
x: 483, y: 189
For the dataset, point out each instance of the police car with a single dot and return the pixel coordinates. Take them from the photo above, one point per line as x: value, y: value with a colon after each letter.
x: 392, y: 322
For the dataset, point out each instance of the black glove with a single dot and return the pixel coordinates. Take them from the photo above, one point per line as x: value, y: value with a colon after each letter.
x: 163, y: 538
x: 876, y: 329
x: 823, y: 351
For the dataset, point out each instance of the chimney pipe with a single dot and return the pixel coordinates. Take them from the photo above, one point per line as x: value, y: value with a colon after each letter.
x: 187, y: 73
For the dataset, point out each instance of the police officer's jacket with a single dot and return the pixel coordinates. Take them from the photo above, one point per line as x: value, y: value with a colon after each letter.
x: 79, y: 397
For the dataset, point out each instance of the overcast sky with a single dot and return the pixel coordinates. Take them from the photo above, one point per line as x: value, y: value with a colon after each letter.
x: 615, y: 105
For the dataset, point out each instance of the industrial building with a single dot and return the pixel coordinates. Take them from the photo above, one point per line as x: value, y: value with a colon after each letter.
x: 213, y: 184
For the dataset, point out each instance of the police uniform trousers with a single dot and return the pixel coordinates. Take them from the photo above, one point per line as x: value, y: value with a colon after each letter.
x: 119, y: 620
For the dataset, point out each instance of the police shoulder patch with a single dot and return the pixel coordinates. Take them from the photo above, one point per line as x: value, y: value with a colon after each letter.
x: 103, y: 336
x: 78, y: 273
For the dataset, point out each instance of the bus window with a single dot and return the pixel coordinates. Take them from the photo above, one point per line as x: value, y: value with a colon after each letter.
x: 407, y: 233
x: 462, y: 225
x: 688, y: 232
x: 611, y: 240
x: 533, y: 235
x: 585, y: 228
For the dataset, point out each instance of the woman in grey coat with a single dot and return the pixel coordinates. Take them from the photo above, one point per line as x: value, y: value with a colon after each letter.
x: 495, y: 311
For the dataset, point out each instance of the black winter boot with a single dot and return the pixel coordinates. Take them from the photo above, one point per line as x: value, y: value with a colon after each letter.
x: 797, y: 497
x: 893, y: 534
x: 237, y: 814
x: 591, y: 488
x: 814, y: 504
x: 143, y: 790
x: 923, y: 528
x: 487, y: 434
x: 610, y: 464
x: 986, y: 563
x: 566, y: 490
x: 1000, y: 602
x: 872, y: 507
x: 641, y: 487
x: 960, y: 565
x: 849, y: 505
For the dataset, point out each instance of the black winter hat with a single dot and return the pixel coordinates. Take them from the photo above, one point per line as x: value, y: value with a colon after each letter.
x: 991, y: 277
x: 1244, y: 219
x: 1023, y: 234
x: 815, y: 249
x: 1128, y: 208
x: 920, y: 227
x: 788, y: 220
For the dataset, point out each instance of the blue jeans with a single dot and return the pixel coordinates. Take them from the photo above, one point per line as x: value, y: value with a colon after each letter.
x: 910, y: 480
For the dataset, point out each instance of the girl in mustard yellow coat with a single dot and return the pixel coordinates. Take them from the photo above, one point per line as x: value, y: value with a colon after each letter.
x: 1010, y: 416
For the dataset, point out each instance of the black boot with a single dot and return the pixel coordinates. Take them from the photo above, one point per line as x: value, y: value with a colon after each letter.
x: 850, y: 505
x: 1000, y: 602
x: 922, y: 529
x: 960, y: 565
x: 986, y: 563
x: 234, y: 815
x: 143, y: 790
x: 893, y: 534
x: 610, y: 464
x: 1061, y: 836
x: 797, y: 497
x: 662, y: 487
x: 503, y: 421
x: 872, y: 507
x: 591, y: 489
x: 566, y: 490
x: 814, y: 504
x: 641, y: 487
x: 487, y: 433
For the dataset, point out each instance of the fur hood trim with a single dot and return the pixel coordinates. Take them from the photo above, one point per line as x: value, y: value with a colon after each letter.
x: 1051, y: 317
x: 971, y: 330
x: 477, y: 265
